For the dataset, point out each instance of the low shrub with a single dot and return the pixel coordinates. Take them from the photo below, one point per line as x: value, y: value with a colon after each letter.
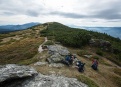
x: 99, y: 52
x: 83, y: 52
x: 49, y: 43
x: 96, y: 57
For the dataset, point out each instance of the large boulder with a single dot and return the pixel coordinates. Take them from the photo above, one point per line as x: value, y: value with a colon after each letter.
x: 11, y: 71
x: 57, y: 53
x: 12, y: 75
x: 55, y: 58
x: 58, y: 49
x: 52, y: 81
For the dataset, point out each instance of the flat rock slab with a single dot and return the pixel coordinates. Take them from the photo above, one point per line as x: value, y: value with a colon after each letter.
x: 40, y: 63
x: 11, y: 71
x: 56, y: 65
x: 52, y: 81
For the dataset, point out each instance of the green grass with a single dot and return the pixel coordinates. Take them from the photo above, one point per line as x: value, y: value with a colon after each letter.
x: 96, y: 57
x: 116, y: 80
x: 99, y: 52
x: 87, y: 81
x: 83, y: 52
x: 117, y: 71
x: 28, y: 61
x: 49, y: 43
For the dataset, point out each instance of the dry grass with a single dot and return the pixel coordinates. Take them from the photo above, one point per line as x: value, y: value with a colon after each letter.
x: 104, y: 77
x: 19, y: 50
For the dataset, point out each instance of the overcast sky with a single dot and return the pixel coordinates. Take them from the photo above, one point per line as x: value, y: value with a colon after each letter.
x: 69, y: 12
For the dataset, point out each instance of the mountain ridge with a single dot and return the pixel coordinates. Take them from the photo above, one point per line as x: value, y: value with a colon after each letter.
x: 10, y: 28
x: 109, y: 30
x: 21, y: 47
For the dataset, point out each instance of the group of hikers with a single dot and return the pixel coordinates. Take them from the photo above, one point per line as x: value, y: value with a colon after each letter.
x: 72, y: 59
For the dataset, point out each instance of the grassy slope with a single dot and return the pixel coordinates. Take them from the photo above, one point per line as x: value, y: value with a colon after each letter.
x: 24, y: 51
x: 20, y: 50
x: 108, y: 75
x: 79, y: 38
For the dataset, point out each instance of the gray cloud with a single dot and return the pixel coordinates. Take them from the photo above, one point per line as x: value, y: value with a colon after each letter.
x: 32, y: 13
x: 67, y: 15
x: 107, y: 14
x: 89, y: 11
x: 109, y: 11
x: 13, y: 7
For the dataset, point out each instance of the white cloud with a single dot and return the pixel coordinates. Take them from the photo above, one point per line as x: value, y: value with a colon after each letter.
x: 71, y: 12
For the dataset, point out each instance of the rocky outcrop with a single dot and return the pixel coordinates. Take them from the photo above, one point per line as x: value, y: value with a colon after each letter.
x: 55, y: 58
x: 52, y: 81
x: 58, y: 49
x: 12, y: 75
x: 57, y: 53
x: 11, y: 71
x: 100, y: 43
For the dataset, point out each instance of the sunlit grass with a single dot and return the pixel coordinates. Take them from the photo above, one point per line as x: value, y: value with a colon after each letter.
x: 20, y: 50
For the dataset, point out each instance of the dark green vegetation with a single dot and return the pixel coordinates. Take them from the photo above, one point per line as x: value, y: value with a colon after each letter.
x: 49, y: 43
x: 79, y: 38
x: 67, y: 36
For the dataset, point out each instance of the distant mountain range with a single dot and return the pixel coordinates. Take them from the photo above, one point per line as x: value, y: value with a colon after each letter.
x: 10, y: 28
x: 113, y: 31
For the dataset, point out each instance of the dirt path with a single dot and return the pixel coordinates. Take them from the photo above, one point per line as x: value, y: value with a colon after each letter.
x: 40, y: 47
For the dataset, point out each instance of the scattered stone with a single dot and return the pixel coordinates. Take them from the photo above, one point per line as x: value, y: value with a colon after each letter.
x: 88, y: 56
x: 56, y: 65
x: 40, y: 63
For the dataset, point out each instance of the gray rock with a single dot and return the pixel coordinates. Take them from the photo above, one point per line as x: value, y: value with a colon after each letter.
x: 88, y: 56
x: 58, y: 49
x: 56, y: 65
x: 52, y: 81
x: 57, y: 52
x: 11, y: 71
x: 40, y: 63
x: 55, y: 58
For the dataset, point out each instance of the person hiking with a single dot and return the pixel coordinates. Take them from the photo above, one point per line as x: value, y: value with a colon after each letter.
x: 80, y: 66
x: 68, y: 60
x: 94, y: 64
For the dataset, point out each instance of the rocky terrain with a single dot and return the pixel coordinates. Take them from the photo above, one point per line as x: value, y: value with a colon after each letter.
x: 12, y: 75
x: 29, y: 59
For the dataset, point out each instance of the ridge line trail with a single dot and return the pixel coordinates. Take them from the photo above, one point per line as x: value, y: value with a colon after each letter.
x: 40, y: 47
